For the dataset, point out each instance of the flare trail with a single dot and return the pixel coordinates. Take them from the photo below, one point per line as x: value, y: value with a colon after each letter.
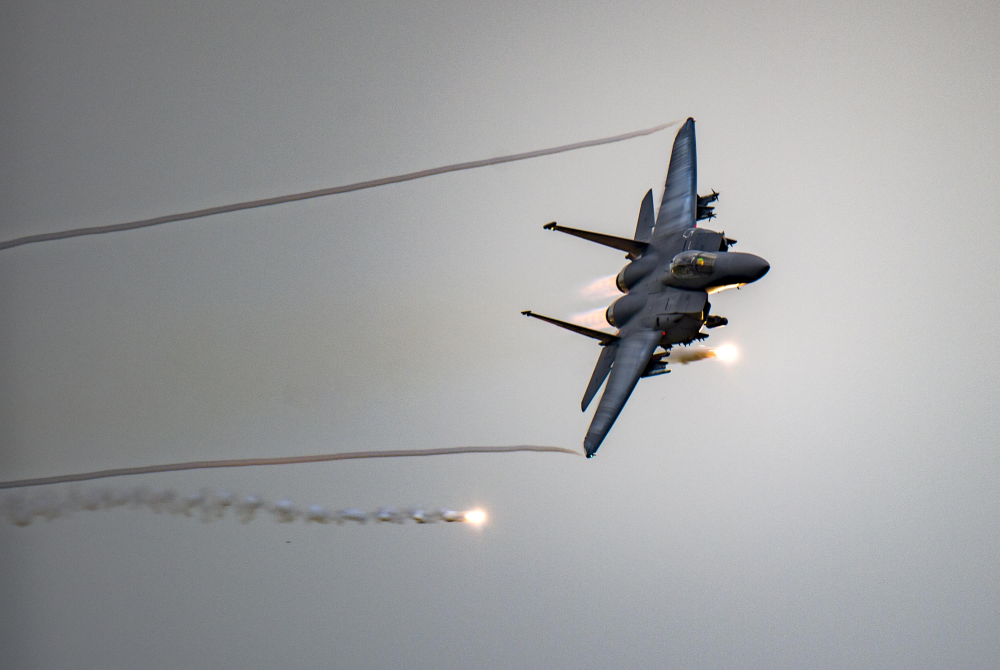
x: 211, y: 505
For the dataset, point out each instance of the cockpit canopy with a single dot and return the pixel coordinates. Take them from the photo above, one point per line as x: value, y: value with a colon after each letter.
x: 692, y: 264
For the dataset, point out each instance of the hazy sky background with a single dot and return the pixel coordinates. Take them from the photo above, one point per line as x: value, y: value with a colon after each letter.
x: 831, y: 501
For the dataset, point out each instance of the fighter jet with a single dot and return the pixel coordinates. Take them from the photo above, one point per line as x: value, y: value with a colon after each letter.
x: 674, y: 267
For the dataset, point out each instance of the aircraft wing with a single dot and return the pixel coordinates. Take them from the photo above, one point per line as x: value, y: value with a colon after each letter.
x: 634, y: 352
x: 601, y: 371
x: 679, y: 207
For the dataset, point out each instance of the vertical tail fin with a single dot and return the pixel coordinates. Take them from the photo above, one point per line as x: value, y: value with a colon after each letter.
x: 644, y: 226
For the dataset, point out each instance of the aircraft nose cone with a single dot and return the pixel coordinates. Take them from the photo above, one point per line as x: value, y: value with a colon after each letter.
x: 750, y: 268
x: 761, y: 267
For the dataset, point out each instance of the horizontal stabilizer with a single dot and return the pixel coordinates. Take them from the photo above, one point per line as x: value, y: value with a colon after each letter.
x: 601, y: 336
x: 633, y: 248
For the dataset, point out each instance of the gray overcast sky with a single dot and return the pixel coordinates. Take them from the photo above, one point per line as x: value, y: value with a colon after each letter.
x: 829, y: 501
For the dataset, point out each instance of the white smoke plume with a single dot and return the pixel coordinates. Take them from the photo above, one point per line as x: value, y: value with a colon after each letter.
x: 725, y: 353
x: 210, y: 505
x: 601, y: 289
x: 595, y: 318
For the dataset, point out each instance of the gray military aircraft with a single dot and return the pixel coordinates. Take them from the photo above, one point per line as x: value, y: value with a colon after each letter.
x: 674, y: 267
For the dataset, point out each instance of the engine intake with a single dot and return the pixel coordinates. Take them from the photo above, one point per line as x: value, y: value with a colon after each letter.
x: 623, y: 309
x: 633, y: 273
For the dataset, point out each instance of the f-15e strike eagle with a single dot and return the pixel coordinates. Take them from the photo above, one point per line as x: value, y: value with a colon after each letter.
x: 674, y: 267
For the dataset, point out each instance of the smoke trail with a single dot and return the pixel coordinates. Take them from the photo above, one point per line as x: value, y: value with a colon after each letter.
x: 265, y: 202
x: 210, y: 505
x: 285, y: 460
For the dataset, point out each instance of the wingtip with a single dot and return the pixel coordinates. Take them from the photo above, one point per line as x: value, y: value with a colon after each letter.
x: 526, y: 312
x: 549, y: 226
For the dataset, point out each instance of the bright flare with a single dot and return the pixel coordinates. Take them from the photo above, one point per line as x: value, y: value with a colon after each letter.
x: 476, y: 516
x: 726, y: 352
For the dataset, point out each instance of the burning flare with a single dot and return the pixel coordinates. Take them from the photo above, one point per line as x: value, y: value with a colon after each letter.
x: 476, y: 517
x: 726, y: 352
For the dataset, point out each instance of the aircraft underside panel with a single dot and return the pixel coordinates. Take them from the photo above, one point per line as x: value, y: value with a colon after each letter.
x: 676, y: 313
x: 679, y: 328
x: 680, y: 301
